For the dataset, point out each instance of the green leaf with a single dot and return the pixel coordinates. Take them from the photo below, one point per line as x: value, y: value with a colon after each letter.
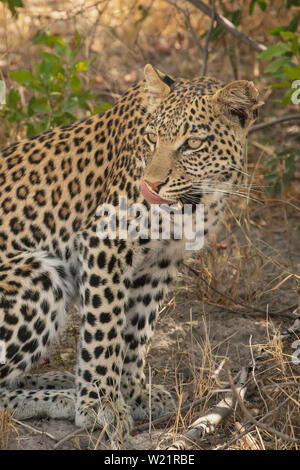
x: 38, y: 105
x: 276, y: 65
x: 292, y: 38
x: 78, y: 39
x: 42, y: 37
x: 289, y: 162
x: 53, y: 62
x: 75, y: 83
x: 293, y: 73
x: 77, y: 44
x: 62, y: 49
x: 13, y: 98
x: 286, y: 99
x: 70, y: 103
x: 293, y: 26
x: 251, y: 6
x: 274, y: 51
x: 262, y: 4
x: 290, y: 3
x: 24, y: 77
x: 286, y: 35
x: 282, y: 84
x: 50, y: 67
x: 101, y: 107
x: 34, y: 128
x: 12, y: 5
x: 80, y: 66
x: 235, y: 17
x: 277, y: 30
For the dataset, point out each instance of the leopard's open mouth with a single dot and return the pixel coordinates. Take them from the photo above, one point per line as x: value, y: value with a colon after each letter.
x: 151, y: 196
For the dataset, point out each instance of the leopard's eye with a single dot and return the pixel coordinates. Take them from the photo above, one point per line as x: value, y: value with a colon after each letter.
x: 152, y: 137
x: 193, y: 143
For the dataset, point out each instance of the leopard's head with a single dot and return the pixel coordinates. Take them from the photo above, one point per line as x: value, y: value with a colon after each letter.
x: 195, y: 138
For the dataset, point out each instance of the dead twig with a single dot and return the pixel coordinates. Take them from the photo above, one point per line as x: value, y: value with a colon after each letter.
x: 188, y: 23
x: 207, y: 424
x: 226, y: 24
x: 238, y: 302
x: 68, y: 437
x: 263, y: 125
x: 208, y: 36
x: 36, y: 431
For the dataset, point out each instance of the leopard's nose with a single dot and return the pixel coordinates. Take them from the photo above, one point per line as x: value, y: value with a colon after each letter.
x: 155, y: 186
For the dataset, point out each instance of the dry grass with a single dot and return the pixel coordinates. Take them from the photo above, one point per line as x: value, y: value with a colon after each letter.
x: 7, y: 428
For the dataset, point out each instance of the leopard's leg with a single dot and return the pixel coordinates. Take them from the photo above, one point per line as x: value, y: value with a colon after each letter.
x: 34, y: 290
x: 102, y: 295
x: 147, y: 291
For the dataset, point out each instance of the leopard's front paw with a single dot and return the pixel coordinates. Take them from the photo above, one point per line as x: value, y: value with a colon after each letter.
x: 115, y: 419
x: 161, y: 403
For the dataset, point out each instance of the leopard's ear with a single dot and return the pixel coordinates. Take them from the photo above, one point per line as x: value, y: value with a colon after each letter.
x: 238, y: 103
x: 158, y: 86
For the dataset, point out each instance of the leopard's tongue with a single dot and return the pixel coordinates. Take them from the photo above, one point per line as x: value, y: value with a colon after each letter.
x: 150, y: 196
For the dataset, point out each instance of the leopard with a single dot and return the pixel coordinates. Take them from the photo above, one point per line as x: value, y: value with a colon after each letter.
x: 166, y: 141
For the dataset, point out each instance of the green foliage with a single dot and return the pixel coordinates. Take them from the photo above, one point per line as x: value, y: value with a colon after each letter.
x: 263, y: 4
x: 283, y: 71
x: 144, y: 12
x: 55, y: 87
x: 12, y: 5
x: 281, y: 167
x: 234, y: 16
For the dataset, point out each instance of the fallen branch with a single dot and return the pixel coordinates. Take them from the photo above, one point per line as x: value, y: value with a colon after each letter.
x: 263, y: 125
x: 249, y: 416
x: 207, y: 424
x: 226, y: 24
x: 34, y: 430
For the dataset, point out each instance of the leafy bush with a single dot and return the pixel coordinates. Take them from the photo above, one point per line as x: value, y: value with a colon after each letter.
x: 283, y: 72
x: 55, y: 87
x: 285, y: 66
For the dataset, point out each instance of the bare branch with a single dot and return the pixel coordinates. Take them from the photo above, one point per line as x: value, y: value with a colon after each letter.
x: 238, y: 302
x: 226, y: 24
x: 263, y: 125
x: 209, y: 32
x: 188, y: 23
